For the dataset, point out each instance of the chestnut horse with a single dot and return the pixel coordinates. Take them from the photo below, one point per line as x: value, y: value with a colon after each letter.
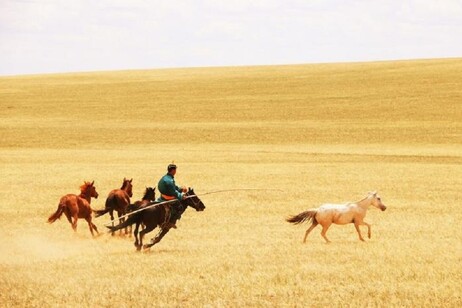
x: 158, y: 216
x: 340, y: 214
x: 75, y: 207
x: 118, y: 200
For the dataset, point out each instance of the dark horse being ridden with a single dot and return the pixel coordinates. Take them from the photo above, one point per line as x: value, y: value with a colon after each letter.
x: 158, y: 216
x: 118, y: 200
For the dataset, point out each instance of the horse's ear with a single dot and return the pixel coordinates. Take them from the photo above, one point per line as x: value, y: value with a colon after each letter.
x: 131, y: 180
x: 92, y: 183
x: 154, y: 189
x: 125, y: 179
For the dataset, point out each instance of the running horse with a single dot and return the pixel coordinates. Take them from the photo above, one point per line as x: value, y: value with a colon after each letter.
x: 118, y: 200
x: 158, y: 216
x: 149, y: 196
x: 77, y: 206
x: 341, y: 214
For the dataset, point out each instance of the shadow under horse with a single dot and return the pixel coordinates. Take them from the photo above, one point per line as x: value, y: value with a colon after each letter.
x: 158, y: 216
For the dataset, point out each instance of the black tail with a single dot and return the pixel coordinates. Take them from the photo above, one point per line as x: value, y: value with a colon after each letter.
x: 132, y: 219
x: 302, y: 217
x: 99, y: 213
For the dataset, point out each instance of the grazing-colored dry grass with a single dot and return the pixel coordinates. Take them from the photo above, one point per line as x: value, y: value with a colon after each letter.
x: 320, y: 133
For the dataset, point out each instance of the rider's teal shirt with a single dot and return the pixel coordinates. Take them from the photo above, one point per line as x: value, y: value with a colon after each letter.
x: 168, y: 187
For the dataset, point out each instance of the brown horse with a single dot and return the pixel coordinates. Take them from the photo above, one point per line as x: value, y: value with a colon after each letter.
x: 75, y: 207
x: 149, y: 195
x: 118, y: 200
x: 158, y: 216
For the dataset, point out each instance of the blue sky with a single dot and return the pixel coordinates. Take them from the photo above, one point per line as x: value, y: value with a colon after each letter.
x: 66, y: 36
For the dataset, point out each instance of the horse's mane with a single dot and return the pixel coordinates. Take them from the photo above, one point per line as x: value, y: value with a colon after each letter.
x: 146, y: 192
x: 84, y: 187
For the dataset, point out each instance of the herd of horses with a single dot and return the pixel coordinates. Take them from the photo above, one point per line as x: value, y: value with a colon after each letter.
x: 149, y: 214
x: 144, y: 213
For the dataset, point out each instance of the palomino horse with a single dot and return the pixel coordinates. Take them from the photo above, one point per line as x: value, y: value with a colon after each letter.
x: 340, y: 214
x: 75, y: 207
x: 158, y: 216
x: 118, y: 200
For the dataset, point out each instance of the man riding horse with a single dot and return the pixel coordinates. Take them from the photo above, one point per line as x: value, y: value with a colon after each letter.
x: 170, y: 191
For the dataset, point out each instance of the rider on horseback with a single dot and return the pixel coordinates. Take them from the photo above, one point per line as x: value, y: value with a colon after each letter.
x: 169, y: 191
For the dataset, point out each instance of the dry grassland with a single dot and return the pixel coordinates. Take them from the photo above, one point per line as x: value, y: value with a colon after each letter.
x: 320, y: 133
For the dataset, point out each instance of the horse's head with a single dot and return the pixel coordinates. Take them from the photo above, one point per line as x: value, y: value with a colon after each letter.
x: 89, y: 189
x: 376, y: 201
x: 194, y: 201
x: 127, y: 186
x: 150, y: 194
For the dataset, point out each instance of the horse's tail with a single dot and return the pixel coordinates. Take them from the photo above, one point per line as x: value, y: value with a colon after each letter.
x: 302, y: 217
x: 132, y: 219
x: 99, y: 213
x: 108, y: 206
x: 56, y: 215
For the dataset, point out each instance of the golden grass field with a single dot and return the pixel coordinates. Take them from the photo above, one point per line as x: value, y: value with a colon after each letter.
x: 321, y: 133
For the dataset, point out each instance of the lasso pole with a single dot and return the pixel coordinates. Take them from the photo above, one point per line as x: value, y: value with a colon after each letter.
x: 153, y: 203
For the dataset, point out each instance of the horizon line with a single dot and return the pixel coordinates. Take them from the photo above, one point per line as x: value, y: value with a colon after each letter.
x: 222, y: 66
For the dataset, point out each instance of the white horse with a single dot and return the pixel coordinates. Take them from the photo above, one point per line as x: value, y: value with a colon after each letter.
x: 340, y: 214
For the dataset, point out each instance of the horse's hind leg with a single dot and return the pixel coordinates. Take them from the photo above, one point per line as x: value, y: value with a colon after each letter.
x: 324, y: 230
x: 135, y: 234
x: 313, y: 225
x: 68, y: 215
x: 74, y: 222
x: 130, y: 229
x: 111, y: 213
x: 158, y: 238
x: 143, y: 232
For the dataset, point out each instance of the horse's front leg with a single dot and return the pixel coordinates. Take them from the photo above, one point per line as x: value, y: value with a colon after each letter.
x: 357, y: 224
x: 368, y: 229
x: 325, y: 227
x: 92, y: 226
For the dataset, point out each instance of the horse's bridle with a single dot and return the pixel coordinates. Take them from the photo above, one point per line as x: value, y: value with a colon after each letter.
x: 195, y: 204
